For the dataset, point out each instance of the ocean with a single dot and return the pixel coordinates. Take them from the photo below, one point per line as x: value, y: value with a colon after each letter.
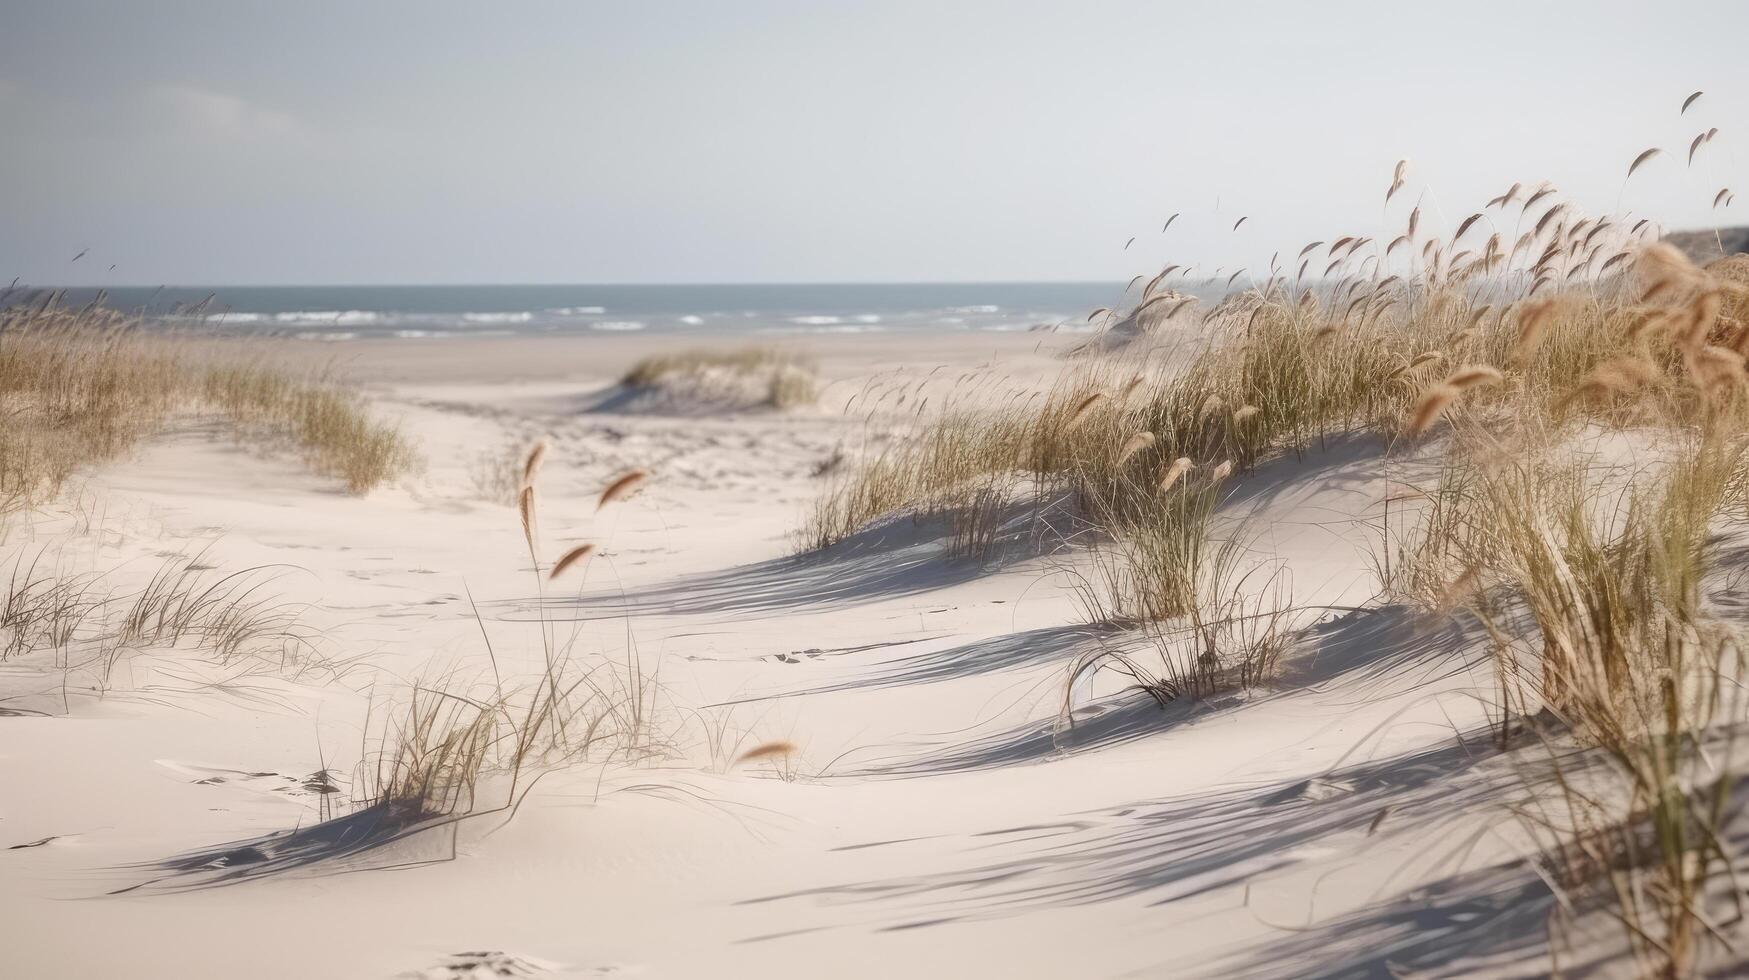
x: 414, y: 312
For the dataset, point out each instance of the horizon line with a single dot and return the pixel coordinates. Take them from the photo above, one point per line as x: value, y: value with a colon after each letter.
x: 585, y: 285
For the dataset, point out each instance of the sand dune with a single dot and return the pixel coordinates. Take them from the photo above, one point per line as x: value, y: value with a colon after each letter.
x: 945, y: 812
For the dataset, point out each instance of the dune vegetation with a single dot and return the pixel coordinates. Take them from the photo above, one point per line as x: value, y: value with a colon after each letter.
x: 761, y: 376
x: 1560, y: 404
x: 81, y: 386
x: 443, y: 738
x: 1576, y: 387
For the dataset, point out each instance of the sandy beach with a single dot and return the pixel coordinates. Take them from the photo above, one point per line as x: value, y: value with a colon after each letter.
x: 943, y: 814
x: 880, y: 491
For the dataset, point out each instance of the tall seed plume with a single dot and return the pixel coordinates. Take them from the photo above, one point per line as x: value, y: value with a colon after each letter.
x: 769, y: 750
x: 1153, y: 283
x: 1701, y: 313
x: 531, y: 465
x: 1465, y: 226
x: 621, y: 487
x: 1432, y: 405
x: 1414, y: 363
x: 1714, y: 367
x: 1473, y: 375
x: 1136, y: 444
x: 1624, y: 373
x: 1139, y: 310
x: 525, y: 507
x: 1533, y: 319
x: 1641, y: 159
x: 570, y: 558
x: 1664, y: 266
x: 1179, y: 467
x: 1079, y: 415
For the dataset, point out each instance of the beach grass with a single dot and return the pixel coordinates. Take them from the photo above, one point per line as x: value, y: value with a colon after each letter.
x: 1510, y: 365
x: 81, y: 386
x: 766, y: 376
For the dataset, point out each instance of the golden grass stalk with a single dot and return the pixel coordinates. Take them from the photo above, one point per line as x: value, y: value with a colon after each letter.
x: 1472, y: 375
x: 1179, y: 467
x: 1136, y: 444
x: 1533, y: 319
x: 1702, y: 311
x: 1663, y: 267
x: 1432, y: 405
x: 1614, y: 377
x: 767, y: 750
x: 1640, y: 160
x: 570, y: 558
x: 1080, y: 412
x: 525, y: 509
x: 621, y: 487
x: 531, y: 466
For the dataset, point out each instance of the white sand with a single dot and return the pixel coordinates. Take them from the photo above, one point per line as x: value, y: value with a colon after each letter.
x: 944, y: 823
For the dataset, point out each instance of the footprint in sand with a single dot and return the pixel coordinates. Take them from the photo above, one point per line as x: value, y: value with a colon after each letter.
x: 315, y: 784
x: 494, y: 964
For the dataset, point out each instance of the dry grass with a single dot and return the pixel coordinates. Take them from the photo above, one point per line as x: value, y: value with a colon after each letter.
x: 765, y: 376
x: 1581, y: 535
x: 1287, y: 370
x: 496, y: 476
x: 1506, y: 358
x: 87, y: 628
x: 1155, y: 569
x: 1623, y: 654
x: 1231, y: 622
x: 329, y: 424
x: 439, y: 740
x: 79, y: 387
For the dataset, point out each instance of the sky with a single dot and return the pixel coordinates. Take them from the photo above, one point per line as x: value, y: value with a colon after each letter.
x: 314, y: 142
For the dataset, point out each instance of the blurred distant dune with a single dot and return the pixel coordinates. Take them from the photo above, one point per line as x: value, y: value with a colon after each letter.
x: 1705, y: 244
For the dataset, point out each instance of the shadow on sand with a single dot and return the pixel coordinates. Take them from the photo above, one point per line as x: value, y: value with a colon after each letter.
x: 1368, y: 650
x: 375, y: 838
x: 895, y: 558
x: 1175, y: 849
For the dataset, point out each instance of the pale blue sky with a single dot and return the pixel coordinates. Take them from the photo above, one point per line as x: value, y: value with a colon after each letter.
x: 411, y: 142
